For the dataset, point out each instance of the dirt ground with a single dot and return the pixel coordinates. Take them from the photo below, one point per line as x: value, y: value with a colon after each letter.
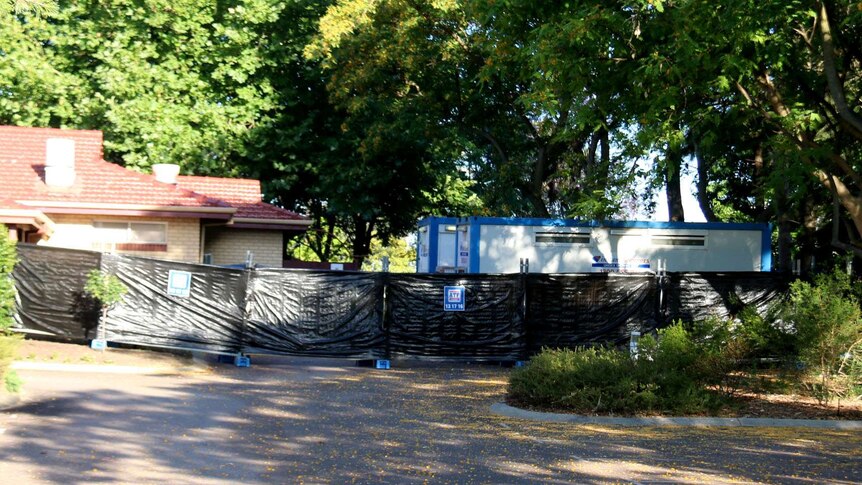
x: 796, y: 407
x: 70, y: 353
x: 751, y: 405
x: 327, y: 421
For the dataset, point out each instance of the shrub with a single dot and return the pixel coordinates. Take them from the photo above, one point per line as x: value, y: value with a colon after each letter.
x: 826, y: 319
x: 664, y: 376
x: 107, y: 290
x: 8, y: 258
x: 765, y: 336
x: 8, y: 342
x: 592, y: 379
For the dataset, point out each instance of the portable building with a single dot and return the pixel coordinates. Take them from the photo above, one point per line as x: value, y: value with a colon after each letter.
x: 502, y: 245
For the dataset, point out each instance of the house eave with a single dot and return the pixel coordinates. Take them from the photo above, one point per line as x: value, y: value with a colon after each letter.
x: 135, y: 210
x: 29, y: 217
x: 299, y: 223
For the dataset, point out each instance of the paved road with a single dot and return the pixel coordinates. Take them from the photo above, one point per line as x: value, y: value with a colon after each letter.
x: 311, y: 421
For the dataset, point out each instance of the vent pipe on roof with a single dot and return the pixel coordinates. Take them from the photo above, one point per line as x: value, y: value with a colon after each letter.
x: 59, y: 162
x: 166, y: 173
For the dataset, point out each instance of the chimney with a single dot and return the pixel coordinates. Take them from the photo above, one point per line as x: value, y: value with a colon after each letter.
x: 166, y: 173
x: 59, y: 162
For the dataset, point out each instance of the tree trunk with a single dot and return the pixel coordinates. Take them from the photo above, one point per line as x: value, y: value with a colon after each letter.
x: 785, y: 238
x: 362, y: 232
x: 702, y: 184
x: 836, y: 89
x: 673, y: 167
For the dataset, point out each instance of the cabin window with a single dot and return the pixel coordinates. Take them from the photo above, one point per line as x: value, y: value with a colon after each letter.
x: 684, y: 240
x: 562, y: 238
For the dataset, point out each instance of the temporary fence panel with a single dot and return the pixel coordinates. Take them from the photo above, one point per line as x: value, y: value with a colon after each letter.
x: 697, y: 296
x: 349, y: 314
x: 320, y: 313
x: 51, y: 298
x: 575, y: 310
x: 426, y: 318
x: 172, y: 304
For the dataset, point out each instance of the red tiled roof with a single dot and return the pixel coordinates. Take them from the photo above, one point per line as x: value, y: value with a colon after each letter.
x: 230, y: 190
x: 11, y: 204
x: 22, y: 156
x: 22, y: 165
x: 244, y: 194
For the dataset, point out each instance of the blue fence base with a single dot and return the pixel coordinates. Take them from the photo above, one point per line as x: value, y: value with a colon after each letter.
x: 374, y: 363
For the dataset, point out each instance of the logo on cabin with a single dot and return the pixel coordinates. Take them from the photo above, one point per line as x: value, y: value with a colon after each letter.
x: 631, y: 265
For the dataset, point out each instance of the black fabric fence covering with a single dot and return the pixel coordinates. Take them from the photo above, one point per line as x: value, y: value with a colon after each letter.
x: 325, y: 313
x: 490, y: 327
x: 572, y: 310
x: 368, y: 315
x: 210, y: 318
x: 51, y: 300
x: 693, y: 297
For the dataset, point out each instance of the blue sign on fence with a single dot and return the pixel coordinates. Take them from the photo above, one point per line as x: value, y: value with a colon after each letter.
x: 179, y: 283
x: 454, y: 298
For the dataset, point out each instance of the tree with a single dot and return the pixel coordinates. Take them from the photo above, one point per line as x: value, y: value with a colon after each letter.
x: 107, y: 290
x: 168, y: 82
x: 462, y: 66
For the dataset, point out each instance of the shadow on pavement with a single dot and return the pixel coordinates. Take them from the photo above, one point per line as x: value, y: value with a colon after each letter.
x: 324, y: 421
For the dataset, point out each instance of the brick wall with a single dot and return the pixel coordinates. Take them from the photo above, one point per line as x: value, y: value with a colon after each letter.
x: 229, y: 246
x: 77, y: 232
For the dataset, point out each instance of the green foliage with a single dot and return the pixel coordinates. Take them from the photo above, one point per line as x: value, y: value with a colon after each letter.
x: 8, y: 342
x: 39, y: 7
x: 8, y: 258
x: 371, y: 113
x: 827, y: 322
x: 105, y: 288
x: 671, y: 373
x: 402, y: 256
x: 8, y: 352
x: 12, y: 382
x: 592, y: 379
x: 764, y: 336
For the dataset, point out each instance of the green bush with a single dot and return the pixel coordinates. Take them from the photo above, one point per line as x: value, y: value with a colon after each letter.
x: 827, y: 322
x: 107, y: 290
x: 593, y: 379
x: 665, y: 376
x: 8, y: 258
x: 765, y: 336
x: 8, y: 342
x: 12, y: 382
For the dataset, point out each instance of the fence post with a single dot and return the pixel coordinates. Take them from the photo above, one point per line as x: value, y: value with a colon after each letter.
x: 246, y: 304
x: 525, y: 317
x: 383, y: 320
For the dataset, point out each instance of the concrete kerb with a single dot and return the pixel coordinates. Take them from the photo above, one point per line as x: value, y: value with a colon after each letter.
x: 513, y: 412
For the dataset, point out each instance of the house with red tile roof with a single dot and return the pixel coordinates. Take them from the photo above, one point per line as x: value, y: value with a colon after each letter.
x: 57, y: 190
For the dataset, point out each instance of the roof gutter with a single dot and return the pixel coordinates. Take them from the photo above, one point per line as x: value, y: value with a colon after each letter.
x: 47, y: 205
x: 276, y: 222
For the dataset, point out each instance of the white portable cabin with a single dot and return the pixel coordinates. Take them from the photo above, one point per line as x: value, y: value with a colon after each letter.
x: 499, y: 245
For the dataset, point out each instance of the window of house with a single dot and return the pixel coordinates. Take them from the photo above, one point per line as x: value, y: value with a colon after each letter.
x: 562, y: 238
x: 131, y: 236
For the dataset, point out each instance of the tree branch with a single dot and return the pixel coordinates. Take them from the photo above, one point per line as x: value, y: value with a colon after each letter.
x: 836, y: 89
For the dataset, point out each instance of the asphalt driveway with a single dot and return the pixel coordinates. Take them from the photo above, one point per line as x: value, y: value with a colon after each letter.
x: 325, y: 421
